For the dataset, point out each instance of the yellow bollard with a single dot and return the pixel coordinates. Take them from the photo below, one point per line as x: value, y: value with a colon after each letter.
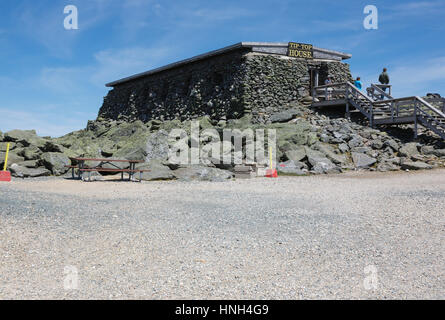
x: 271, y: 173
x: 5, y: 175
x: 6, y: 159
x: 270, y: 157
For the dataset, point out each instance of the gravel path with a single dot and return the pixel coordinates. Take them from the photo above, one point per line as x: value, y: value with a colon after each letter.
x: 287, y: 238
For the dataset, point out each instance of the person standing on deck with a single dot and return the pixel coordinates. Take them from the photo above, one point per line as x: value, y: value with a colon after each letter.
x: 358, y: 83
x: 384, y: 79
x: 329, y: 90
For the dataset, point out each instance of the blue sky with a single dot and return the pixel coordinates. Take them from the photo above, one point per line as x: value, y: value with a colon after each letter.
x: 53, y: 80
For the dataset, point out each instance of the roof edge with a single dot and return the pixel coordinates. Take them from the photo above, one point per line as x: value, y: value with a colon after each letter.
x: 212, y: 53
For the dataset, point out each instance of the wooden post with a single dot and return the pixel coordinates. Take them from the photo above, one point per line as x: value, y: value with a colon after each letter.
x: 316, y: 78
x: 392, y: 111
x: 415, y: 119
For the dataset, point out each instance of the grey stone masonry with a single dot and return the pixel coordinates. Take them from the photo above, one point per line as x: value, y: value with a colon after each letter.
x: 246, y: 78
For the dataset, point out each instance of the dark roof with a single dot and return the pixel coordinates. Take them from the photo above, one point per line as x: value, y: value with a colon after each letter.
x: 264, y: 47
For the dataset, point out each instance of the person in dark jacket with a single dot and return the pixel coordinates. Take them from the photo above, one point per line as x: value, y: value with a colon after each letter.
x: 384, y: 79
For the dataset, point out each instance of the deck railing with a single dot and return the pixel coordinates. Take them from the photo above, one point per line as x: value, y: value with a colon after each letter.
x: 376, y: 92
x: 411, y: 108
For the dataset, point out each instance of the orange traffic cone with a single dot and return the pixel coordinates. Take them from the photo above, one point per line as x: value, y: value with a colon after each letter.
x: 5, y: 175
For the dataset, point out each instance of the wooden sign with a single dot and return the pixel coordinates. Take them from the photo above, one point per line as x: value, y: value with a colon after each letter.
x: 300, y: 50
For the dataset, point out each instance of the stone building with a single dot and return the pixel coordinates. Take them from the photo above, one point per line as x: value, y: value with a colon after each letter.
x: 257, y: 78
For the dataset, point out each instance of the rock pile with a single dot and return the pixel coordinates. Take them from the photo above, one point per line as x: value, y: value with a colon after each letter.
x: 31, y: 155
x: 307, y: 143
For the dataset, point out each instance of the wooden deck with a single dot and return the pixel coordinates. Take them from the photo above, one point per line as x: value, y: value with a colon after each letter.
x: 382, y: 111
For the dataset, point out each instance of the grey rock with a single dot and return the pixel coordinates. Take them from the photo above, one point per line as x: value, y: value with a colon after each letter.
x: 377, y: 144
x: 392, y: 144
x: 55, y: 162
x: 319, y: 162
x: 343, y: 147
x: 361, y: 149
x: 408, y: 150
x: 324, y: 138
x: 50, y: 146
x: 158, y: 171
x: 415, y: 165
x: 202, y: 173
x: 385, y: 166
x: 291, y: 167
x: 296, y: 154
x: 329, y: 152
x: 427, y: 150
x: 362, y: 160
x: 395, y: 160
x: 284, y: 116
x: 25, y: 137
x: 312, y: 138
x: 24, y: 172
x: 356, y: 141
x: 439, y: 153
x: 29, y: 164
x: 31, y: 153
x: 4, y: 145
x: 12, y: 158
x: 157, y: 146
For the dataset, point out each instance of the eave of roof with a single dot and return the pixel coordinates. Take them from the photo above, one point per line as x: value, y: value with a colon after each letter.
x: 233, y: 47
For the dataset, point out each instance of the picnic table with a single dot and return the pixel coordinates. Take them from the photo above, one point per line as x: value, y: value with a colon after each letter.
x: 82, y: 167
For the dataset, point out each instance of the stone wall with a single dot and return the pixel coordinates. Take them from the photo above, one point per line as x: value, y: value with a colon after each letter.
x: 224, y: 87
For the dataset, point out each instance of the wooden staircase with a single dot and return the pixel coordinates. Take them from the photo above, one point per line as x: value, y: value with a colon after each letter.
x: 381, y: 108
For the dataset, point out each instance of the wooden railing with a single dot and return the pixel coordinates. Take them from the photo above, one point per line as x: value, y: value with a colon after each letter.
x: 376, y: 92
x: 398, y: 107
x: 440, y: 102
x: 430, y: 117
x: 412, y: 109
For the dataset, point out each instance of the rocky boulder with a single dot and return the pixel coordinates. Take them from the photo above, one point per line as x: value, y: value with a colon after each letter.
x: 409, y: 150
x: 292, y: 167
x: 362, y: 160
x: 24, y: 172
x: 158, y: 171
x: 296, y: 153
x: 12, y: 158
x: 319, y: 163
x: 415, y: 165
x: 284, y: 116
x: 55, y: 162
x: 4, y: 145
x: 25, y: 137
x: 202, y: 173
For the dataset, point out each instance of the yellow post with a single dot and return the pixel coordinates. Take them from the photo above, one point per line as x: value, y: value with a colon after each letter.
x: 270, y: 157
x: 6, y: 159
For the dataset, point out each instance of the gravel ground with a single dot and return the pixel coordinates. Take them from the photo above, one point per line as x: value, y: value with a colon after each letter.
x: 287, y: 238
